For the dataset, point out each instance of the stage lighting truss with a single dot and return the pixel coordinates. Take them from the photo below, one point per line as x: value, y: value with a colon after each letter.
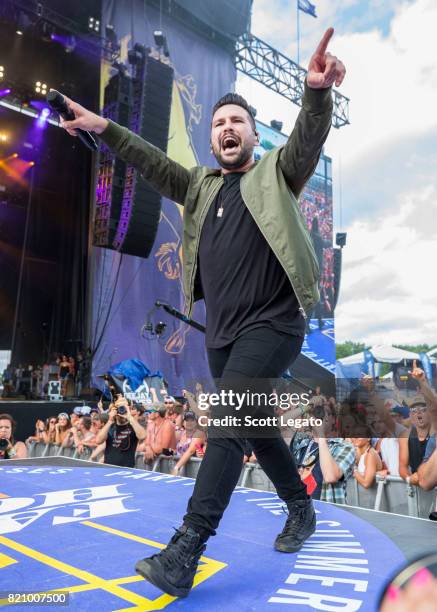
x: 2, y: 72
x: 41, y: 88
x: 94, y: 24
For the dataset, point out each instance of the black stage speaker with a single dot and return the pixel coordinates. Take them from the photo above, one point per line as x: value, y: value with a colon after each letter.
x: 150, y: 118
x: 112, y: 171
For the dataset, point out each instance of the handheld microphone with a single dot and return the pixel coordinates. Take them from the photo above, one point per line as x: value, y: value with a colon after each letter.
x: 57, y: 103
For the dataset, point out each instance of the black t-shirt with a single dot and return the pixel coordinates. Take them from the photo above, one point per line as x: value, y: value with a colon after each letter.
x: 243, y: 283
x: 121, y: 445
x: 416, y: 449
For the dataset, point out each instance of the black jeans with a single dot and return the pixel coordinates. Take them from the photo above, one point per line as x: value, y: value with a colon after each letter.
x: 260, y: 353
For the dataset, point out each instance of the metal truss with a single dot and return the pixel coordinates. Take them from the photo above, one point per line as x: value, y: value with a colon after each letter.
x: 261, y: 62
x: 91, y: 43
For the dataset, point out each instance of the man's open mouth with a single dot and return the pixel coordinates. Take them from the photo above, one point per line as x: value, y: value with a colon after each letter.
x: 230, y: 143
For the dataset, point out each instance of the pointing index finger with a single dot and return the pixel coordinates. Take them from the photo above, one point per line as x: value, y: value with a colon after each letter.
x: 323, y: 44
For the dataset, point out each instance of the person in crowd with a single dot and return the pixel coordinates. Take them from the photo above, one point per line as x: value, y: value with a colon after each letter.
x: 169, y: 402
x: 98, y: 453
x: 9, y: 447
x: 81, y: 435
x: 412, y: 448
x: 427, y: 471
x: 324, y: 464
x: 352, y: 423
x: 367, y: 462
x: 62, y: 428
x: 425, y: 389
x: 192, y: 398
x: 161, y: 435
x: 190, y: 431
x: 138, y: 411
x: 40, y: 432
x: 121, y: 434
x: 96, y: 423
x: 399, y: 413
x: 64, y: 371
x: 192, y: 444
x: 175, y: 414
x: 75, y: 415
x: 385, y: 427
x: 50, y: 430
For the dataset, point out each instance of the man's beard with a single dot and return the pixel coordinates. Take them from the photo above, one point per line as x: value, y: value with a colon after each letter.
x: 245, y: 154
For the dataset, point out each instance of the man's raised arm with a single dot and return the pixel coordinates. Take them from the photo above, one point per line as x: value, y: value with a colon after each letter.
x: 300, y: 155
x: 168, y: 177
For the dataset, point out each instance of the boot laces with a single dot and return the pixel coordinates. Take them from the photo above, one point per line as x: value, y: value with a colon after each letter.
x: 294, y: 521
x: 181, y: 551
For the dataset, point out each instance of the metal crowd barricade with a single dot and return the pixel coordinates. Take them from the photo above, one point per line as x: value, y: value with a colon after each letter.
x: 392, y: 494
x: 389, y: 494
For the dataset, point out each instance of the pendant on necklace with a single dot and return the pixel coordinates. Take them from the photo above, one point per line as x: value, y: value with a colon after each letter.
x: 220, y: 212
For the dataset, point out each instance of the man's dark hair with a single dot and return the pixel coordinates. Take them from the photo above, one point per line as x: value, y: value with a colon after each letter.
x: 233, y: 98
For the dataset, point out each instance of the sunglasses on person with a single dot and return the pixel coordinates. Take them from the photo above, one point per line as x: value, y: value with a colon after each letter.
x: 417, y: 409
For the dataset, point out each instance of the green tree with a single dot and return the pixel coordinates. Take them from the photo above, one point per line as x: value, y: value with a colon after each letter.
x: 347, y: 348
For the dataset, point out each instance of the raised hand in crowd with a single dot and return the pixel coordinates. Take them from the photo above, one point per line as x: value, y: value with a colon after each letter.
x: 428, y: 392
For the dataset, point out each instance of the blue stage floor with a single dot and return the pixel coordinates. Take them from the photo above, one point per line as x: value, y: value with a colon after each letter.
x: 81, y: 529
x: 319, y: 345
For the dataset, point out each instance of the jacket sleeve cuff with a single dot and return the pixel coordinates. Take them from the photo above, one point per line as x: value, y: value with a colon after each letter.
x: 316, y: 100
x: 112, y: 134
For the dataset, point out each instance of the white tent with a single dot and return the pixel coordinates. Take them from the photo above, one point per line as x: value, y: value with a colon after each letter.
x: 383, y: 353
x: 352, y: 359
x: 391, y: 354
x: 432, y: 354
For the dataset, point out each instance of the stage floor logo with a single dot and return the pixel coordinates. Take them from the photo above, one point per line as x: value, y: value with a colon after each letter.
x: 80, y: 530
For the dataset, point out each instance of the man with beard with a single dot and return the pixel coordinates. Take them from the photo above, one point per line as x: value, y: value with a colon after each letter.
x: 248, y: 253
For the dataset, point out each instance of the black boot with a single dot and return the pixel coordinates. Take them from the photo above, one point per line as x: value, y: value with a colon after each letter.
x: 173, y: 569
x: 300, y: 525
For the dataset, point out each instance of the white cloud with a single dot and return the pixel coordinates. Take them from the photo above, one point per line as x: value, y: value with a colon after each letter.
x: 387, y: 157
x: 388, y: 289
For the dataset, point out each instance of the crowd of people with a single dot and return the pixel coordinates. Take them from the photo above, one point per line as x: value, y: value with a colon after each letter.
x: 315, y: 206
x: 32, y: 380
x: 366, y: 436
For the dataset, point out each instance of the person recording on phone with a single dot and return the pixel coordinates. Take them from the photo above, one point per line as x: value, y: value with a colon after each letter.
x: 121, y: 434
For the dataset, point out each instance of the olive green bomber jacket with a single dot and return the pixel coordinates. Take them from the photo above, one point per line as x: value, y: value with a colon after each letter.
x: 270, y: 190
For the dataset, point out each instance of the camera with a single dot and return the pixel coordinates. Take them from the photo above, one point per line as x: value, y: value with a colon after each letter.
x: 4, y: 444
x: 121, y: 410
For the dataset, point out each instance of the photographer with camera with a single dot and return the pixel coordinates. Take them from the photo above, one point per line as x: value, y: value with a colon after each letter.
x: 121, y: 434
x: 9, y: 449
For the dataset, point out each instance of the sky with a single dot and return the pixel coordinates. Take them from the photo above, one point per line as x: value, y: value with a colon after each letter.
x: 384, y: 162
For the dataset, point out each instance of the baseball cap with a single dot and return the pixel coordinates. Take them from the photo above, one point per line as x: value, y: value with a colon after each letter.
x: 190, y: 415
x: 417, y: 400
x: 63, y: 415
x: 82, y: 410
x: 402, y: 411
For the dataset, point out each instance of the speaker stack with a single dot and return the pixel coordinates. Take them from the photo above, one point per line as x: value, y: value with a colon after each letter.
x: 127, y: 208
